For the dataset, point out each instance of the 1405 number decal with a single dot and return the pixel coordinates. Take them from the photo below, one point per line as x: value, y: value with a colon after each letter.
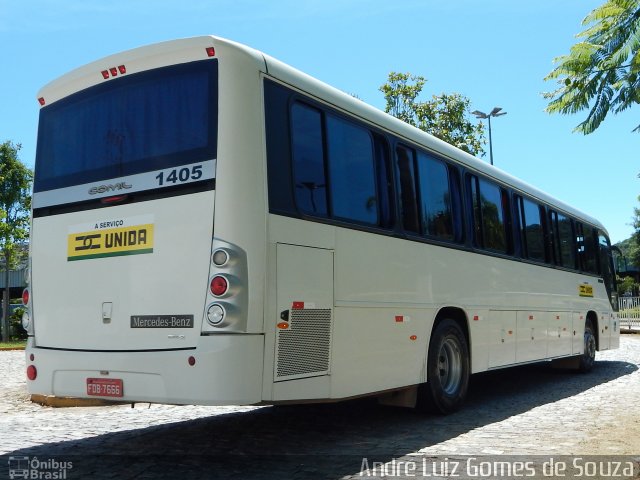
x: 180, y: 175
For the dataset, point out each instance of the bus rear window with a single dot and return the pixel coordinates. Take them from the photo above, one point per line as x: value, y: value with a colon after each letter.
x: 148, y: 121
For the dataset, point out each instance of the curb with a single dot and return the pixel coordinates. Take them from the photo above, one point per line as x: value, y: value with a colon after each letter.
x: 65, y: 402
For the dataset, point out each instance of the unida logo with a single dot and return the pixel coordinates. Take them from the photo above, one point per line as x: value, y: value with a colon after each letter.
x: 113, y: 187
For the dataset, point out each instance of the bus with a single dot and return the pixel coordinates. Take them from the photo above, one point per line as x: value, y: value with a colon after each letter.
x: 212, y: 226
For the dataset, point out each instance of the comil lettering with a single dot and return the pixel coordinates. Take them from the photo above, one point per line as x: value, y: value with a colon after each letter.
x: 109, y: 188
x: 126, y: 239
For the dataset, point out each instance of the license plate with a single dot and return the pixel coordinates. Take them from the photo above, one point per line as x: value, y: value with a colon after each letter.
x: 105, y: 387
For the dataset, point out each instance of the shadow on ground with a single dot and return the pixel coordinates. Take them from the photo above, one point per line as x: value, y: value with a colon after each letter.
x: 313, y: 441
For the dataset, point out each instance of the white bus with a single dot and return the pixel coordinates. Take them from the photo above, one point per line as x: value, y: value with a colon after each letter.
x: 212, y: 226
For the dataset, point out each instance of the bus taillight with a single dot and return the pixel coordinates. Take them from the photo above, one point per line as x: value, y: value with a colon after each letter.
x: 219, y: 285
x: 32, y: 372
x: 25, y: 296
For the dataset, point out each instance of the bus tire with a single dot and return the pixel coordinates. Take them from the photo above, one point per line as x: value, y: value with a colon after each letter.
x: 447, y: 370
x: 588, y: 357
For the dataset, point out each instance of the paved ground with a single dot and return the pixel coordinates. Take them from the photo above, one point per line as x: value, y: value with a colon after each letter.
x: 530, y: 410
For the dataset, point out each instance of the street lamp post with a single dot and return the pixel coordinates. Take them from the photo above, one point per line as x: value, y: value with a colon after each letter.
x: 496, y: 112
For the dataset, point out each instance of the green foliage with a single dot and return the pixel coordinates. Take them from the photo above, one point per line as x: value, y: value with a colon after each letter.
x: 601, y: 72
x: 634, y: 250
x: 15, y: 208
x: 445, y: 116
x: 15, y: 321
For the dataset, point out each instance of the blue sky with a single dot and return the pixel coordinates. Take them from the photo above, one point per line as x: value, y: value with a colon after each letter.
x: 496, y: 52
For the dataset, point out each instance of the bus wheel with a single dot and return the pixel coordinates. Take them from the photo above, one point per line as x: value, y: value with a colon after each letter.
x: 588, y: 357
x: 447, y: 370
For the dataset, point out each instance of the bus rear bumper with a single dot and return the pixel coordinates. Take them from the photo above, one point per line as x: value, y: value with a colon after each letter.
x: 227, y: 371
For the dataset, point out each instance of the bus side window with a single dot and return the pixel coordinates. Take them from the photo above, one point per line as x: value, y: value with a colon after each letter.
x: 383, y: 178
x: 490, y: 210
x: 435, y: 197
x: 532, y: 231
x: 405, y: 160
x: 606, y: 267
x: 587, y: 254
x: 308, y: 160
x: 351, y: 171
x: 553, y: 238
x: 566, y: 238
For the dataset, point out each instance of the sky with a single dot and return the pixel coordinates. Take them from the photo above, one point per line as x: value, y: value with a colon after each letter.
x: 495, y: 52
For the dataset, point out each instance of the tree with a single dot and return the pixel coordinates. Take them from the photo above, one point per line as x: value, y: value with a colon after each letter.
x: 15, y: 206
x: 634, y: 253
x: 601, y: 72
x: 444, y: 116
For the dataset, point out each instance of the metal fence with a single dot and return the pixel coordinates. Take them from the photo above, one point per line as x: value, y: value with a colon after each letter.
x: 629, y: 313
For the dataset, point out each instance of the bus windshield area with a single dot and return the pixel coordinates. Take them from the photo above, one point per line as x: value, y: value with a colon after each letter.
x: 136, y: 123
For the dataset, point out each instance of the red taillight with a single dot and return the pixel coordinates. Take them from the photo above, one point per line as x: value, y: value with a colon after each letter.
x: 211, y: 51
x: 219, y: 286
x: 114, y: 71
x: 105, y: 74
x: 191, y: 361
x: 122, y: 69
x: 32, y: 373
x: 41, y: 101
x: 25, y: 296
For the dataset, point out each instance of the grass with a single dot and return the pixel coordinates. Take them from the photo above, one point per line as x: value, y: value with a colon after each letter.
x: 13, y: 345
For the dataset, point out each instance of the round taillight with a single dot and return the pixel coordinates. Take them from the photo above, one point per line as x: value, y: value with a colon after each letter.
x: 191, y: 360
x: 25, y: 296
x: 32, y: 373
x: 219, y: 285
x: 220, y: 257
x: 215, y: 314
x: 26, y: 320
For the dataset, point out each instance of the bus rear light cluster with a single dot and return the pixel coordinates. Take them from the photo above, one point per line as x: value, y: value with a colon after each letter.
x: 227, y: 296
x: 32, y: 372
x: 27, y: 321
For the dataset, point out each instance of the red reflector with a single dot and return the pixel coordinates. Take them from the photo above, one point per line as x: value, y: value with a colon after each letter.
x: 114, y: 71
x: 122, y: 69
x: 298, y: 306
x: 413, y: 337
x: 25, y: 296
x: 105, y: 74
x: 476, y: 318
x: 41, y: 101
x: 399, y: 318
x: 32, y: 373
x: 219, y: 286
x: 32, y: 357
x: 530, y: 317
x: 211, y: 52
x: 192, y: 361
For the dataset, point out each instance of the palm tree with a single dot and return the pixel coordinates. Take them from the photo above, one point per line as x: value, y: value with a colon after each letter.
x: 601, y: 71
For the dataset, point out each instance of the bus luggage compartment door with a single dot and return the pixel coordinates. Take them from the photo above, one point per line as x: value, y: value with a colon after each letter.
x: 305, y: 309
